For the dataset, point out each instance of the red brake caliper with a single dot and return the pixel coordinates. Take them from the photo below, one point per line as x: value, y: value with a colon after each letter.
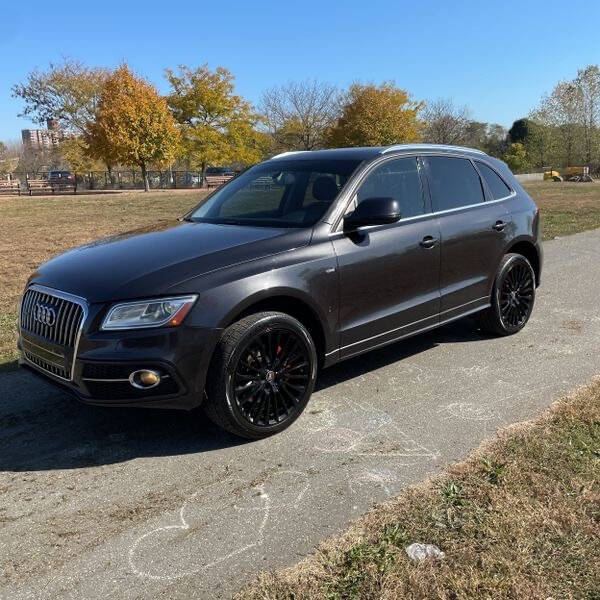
x: 284, y: 365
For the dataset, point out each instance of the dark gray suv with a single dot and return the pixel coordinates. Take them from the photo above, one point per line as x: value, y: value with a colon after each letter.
x: 299, y: 262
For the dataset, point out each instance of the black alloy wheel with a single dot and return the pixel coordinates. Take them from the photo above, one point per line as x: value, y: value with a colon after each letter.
x: 271, y: 377
x: 262, y: 375
x: 516, y: 295
x: 513, y: 297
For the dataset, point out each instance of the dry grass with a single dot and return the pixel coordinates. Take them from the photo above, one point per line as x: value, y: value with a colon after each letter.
x: 519, y: 519
x: 35, y: 229
x: 566, y: 208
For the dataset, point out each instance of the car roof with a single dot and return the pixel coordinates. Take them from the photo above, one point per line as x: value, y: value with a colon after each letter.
x: 370, y: 152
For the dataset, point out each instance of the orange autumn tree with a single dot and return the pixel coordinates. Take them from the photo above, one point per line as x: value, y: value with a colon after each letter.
x: 133, y: 124
x: 376, y: 116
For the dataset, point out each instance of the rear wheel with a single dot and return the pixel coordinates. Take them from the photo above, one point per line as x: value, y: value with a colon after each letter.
x: 261, y: 376
x: 513, y: 296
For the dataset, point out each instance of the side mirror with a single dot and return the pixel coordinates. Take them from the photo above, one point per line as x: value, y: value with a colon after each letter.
x: 373, y: 211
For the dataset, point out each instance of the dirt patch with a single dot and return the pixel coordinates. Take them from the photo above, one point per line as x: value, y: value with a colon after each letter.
x: 572, y: 325
x: 65, y: 536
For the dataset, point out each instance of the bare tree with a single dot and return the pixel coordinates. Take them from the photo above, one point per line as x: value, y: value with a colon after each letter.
x: 446, y: 123
x: 13, y: 147
x: 496, y: 140
x: 567, y: 122
x: 10, y: 152
x: 68, y: 92
x: 298, y: 114
x: 541, y: 142
x: 588, y: 84
x: 564, y: 108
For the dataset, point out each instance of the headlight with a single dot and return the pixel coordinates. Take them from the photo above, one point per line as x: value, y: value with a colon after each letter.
x: 158, y: 312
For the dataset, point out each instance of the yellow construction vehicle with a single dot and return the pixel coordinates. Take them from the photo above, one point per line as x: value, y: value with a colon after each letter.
x: 581, y: 174
x: 577, y: 174
x: 554, y: 175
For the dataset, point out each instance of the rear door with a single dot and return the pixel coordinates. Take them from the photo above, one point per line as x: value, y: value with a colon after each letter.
x: 473, y: 227
x: 389, y: 274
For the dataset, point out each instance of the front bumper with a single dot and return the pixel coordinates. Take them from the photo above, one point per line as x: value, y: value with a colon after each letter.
x: 104, y: 360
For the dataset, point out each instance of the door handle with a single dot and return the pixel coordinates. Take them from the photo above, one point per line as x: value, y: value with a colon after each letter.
x: 499, y: 225
x: 428, y: 242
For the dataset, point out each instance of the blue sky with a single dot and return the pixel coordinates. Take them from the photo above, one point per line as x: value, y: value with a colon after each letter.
x: 496, y: 57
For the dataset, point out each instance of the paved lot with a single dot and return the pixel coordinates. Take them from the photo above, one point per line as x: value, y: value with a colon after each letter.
x: 99, y: 503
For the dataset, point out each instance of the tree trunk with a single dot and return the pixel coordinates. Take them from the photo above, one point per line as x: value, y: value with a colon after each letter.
x: 203, y: 173
x: 111, y: 177
x: 588, y: 147
x: 145, y: 177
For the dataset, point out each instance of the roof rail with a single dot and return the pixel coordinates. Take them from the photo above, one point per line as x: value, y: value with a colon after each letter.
x: 288, y: 153
x: 431, y: 147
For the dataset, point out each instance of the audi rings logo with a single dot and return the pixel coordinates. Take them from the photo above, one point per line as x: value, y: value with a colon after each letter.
x: 44, y: 314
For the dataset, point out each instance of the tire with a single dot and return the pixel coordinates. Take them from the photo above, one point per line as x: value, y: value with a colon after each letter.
x: 509, y: 312
x: 261, y: 375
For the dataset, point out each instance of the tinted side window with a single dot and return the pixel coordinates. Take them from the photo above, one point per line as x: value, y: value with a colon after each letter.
x: 497, y: 187
x: 454, y: 183
x: 398, y: 179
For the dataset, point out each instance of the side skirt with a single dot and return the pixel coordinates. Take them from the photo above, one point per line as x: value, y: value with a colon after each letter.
x: 410, y: 334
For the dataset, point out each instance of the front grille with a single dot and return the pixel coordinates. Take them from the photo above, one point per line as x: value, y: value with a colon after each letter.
x: 63, y: 329
x: 50, y: 324
x: 58, y: 370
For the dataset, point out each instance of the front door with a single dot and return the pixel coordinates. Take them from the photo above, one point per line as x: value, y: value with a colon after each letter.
x: 389, y: 274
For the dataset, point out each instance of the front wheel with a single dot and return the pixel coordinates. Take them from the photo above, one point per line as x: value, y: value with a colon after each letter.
x: 261, y: 376
x: 513, y: 295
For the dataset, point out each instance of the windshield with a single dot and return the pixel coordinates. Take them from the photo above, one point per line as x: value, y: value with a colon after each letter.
x: 281, y: 193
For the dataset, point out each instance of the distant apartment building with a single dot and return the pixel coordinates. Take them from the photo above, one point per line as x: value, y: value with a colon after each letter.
x: 42, y: 139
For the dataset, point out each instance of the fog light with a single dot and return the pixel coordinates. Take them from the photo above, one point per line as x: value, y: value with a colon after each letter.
x: 144, y: 379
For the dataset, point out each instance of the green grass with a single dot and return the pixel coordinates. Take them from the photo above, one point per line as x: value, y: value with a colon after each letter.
x: 559, y: 223
x: 566, y: 208
x: 519, y: 519
x: 8, y: 325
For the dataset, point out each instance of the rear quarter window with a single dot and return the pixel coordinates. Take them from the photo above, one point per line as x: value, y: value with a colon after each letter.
x: 495, y: 183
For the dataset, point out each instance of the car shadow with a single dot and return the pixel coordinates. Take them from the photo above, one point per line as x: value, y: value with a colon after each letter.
x: 7, y: 367
x: 43, y: 428
x: 456, y: 332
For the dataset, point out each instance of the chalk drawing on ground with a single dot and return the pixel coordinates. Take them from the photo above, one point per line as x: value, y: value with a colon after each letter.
x: 215, y: 524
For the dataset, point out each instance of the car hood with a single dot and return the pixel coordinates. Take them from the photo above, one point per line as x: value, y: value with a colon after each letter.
x: 150, y: 261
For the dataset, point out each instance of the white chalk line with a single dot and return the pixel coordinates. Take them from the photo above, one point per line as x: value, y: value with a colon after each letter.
x: 377, y: 421
x: 184, y: 525
x: 370, y: 477
x: 344, y: 440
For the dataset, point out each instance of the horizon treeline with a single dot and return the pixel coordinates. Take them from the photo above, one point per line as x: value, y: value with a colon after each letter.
x: 110, y: 118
